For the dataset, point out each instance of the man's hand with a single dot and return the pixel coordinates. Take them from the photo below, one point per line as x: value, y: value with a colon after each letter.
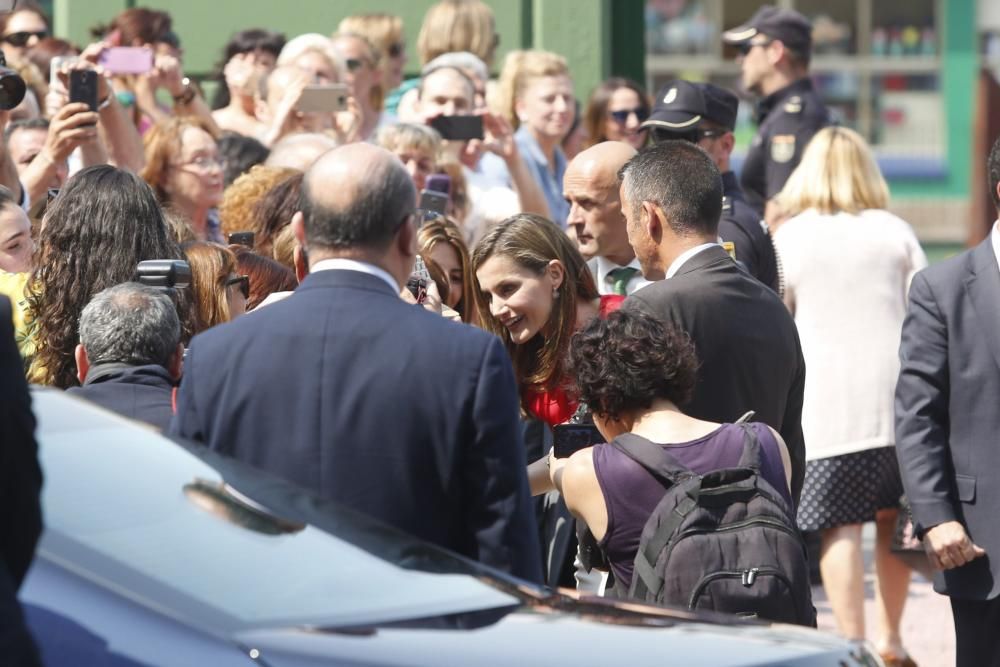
x: 74, y: 124
x: 948, y: 546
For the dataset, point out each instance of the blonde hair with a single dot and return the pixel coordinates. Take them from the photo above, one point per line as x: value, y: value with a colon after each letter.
x: 458, y: 25
x: 382, y: 30
x: 312, y: 42
x: 837, y: 173
x: 402, y: 136
x: 520, y: 69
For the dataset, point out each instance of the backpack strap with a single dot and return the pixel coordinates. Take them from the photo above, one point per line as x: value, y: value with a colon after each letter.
x: 751, y: 448
x: 646, y: 581
x: 653, y: 458
x: 747, y: 416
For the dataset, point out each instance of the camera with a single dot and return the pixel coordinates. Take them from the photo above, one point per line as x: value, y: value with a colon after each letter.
x: 164, y: 274
x: 12, y: 87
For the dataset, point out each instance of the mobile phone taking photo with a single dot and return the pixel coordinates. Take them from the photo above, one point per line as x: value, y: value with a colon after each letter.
x: 458, y: 128
x: 127, y: 60
x: 83, y: 87
x: 323, y: 98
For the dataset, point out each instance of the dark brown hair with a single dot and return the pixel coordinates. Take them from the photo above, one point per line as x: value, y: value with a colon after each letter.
x: 626, y: 361
x: 532, y: 241
x: 266, y: 275
x: 273, y: 212
x: 596, y: 113
x: 211, y: 266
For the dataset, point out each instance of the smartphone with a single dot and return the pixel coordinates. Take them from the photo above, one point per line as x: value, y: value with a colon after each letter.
x: 164, y: 273
x: 418, y: 280
x: 83, y: 87
x: 568, y: 439
x: 434, y: 202
x: 57, y: 64
x: 323, y: 98
x: 241, y: 238
x: 127, y: 60
x: 458, y: 127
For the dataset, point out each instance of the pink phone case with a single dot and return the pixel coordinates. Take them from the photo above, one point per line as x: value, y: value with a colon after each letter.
x: 127, y: 60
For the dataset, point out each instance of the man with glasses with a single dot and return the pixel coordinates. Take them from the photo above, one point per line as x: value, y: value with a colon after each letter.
x: 775, y: 46
x: 705, y: 114
x: 347, y: 390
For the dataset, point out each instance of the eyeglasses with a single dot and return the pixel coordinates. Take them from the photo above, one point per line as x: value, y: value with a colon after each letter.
x: 621, y: 117
x: 396, y: 50
x: 747, y: 47
x: 21, y: 38
x: 243, y: 282
x: 201, y: 163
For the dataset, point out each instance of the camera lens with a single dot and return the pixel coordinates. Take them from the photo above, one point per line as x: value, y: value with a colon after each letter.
x: 12, y: 88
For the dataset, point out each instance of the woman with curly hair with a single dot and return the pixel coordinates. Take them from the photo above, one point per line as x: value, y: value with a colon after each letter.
x: 94, y: 234
x: 635, y: 373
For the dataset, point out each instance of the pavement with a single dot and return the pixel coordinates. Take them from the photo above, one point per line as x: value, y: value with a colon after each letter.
x: 927, y: 628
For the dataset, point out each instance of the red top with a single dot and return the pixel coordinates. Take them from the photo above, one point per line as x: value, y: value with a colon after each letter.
x: 555, y: 406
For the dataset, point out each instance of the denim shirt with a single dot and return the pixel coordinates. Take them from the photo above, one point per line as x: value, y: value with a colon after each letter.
x: 551, y: 183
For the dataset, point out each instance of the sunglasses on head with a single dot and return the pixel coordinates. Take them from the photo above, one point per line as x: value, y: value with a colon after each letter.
x: 621, y: 116
x: 21, y: 38
x: 243, y: 282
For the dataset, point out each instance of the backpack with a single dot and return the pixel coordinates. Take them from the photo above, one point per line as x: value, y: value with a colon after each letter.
x: 725, y: 541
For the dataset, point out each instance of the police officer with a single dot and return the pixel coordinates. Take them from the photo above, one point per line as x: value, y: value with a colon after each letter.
x: 705, y: 114
x: 775, y: 47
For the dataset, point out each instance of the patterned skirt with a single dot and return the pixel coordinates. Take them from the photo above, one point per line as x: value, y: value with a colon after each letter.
x: 849, y: 489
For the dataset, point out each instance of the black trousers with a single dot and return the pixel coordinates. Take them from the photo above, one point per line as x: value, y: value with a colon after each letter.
x: 977, y: 632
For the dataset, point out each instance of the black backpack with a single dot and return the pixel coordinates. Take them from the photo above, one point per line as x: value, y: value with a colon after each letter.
x: 725, y: 541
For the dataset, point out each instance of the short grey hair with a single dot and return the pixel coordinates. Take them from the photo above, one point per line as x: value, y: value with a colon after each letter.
x: 461, y: 60
x: 131, y: 324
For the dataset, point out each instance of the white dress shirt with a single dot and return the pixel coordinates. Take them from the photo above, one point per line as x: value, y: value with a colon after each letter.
x: 605, y: 284
x: 341, y: 264
x: 685, y: 256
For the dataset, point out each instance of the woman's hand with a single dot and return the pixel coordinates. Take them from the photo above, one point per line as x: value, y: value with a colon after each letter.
x: 241, y: 73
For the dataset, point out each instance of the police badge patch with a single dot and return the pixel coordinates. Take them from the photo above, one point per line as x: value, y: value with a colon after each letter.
x: 782, y: 147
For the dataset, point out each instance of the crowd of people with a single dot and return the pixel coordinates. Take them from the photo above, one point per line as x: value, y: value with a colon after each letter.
x: 422, y: 281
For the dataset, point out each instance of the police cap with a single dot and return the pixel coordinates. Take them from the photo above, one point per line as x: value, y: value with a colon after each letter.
x: 786, y: 25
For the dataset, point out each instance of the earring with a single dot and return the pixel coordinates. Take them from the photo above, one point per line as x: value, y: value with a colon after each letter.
x: 555, y: 292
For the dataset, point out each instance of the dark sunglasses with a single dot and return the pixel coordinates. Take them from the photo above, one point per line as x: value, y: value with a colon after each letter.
x: 396, y: 50
x: 747, y: 47
x: 693, y: 136
x: 21, y: 38
x: 354, y: 64
x: 621, y: 117
x: 243, y: 282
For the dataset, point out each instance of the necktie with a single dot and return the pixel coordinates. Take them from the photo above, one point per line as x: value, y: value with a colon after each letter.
x: 620, y: 277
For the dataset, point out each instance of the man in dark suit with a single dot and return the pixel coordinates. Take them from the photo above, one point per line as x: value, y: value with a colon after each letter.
x: 347, y: 390
x: 20, y: 486
x: 129, y: 357
x: 947, y: 421
x: 747, y: 345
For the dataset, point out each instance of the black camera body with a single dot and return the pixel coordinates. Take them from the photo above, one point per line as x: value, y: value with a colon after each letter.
x: 164, y: 274
x: 12, y: 86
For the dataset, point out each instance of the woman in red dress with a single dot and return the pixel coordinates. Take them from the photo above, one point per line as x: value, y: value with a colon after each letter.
x: 534, y: 292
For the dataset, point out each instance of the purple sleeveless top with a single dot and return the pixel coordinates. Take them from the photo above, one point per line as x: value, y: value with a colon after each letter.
x: 631, y: 494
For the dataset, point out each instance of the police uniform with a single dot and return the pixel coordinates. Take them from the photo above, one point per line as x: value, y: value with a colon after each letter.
x: 788, y: 118
x: 680, y: 112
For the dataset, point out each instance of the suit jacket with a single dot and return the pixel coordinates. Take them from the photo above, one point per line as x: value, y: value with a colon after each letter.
x: 748, y: 349
x: 345, y: 389
x: 948, y: 410
x: 144, y: 393
x: 20, y: 486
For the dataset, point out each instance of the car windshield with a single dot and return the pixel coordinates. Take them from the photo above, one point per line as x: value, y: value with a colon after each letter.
x: 190, y: 536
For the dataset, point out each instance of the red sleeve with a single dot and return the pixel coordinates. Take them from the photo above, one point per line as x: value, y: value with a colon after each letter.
x: 610, y: 303
x: 552, y: 407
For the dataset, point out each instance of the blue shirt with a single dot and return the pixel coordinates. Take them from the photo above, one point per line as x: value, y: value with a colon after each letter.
x: 548, y: 180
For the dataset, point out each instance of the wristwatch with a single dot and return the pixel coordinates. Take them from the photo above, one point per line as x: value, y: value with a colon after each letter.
x: 188, y: 95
